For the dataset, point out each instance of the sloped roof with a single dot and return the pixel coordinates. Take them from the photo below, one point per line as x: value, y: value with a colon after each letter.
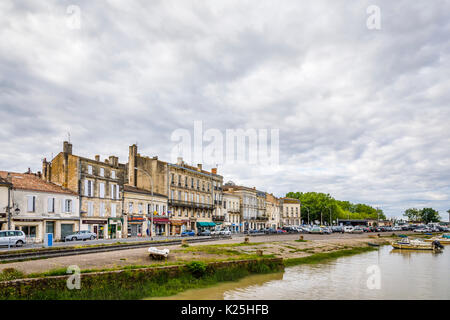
x: 30, y: 181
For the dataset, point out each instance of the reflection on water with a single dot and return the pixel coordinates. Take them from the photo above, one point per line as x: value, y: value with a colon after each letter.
x: 404, y: 275
x: 217, y: 292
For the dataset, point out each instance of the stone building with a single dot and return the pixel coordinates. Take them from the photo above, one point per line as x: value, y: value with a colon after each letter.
x: 99, y: 185
x: 273, y: 208
x: 291, y: 212
x: 141, y: 209
x: 232, y: 212
x: 189, y: 190
x: 38, y: 206
x: 252, y: 205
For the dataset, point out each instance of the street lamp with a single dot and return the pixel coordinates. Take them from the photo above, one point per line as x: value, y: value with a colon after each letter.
x: 151, y: 201
x: 308, y: 213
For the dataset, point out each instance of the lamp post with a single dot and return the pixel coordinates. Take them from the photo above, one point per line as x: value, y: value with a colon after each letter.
x: 151, y: 201
x: 307, y: 208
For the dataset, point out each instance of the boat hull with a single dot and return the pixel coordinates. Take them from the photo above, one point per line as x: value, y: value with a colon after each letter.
x: 412, y: 246
x: 441, y: 240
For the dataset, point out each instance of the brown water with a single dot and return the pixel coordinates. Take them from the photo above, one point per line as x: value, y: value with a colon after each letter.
x: 403, y: 275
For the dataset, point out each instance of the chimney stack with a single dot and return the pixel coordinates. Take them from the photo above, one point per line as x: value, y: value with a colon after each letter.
x: 199, y: 167
x: 214, y: 170
x: 97, y: 157
x: 179, y: 161
x: 132, y: 174
x: 67, y: 147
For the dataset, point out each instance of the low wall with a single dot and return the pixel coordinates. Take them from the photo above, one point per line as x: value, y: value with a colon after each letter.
x: 21, y: 288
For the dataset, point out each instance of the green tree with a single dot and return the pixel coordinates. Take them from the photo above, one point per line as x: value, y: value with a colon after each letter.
x: 429, y: 215
x: 413, y: 214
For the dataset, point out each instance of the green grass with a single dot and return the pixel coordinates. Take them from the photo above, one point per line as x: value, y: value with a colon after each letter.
x: 323, y: 257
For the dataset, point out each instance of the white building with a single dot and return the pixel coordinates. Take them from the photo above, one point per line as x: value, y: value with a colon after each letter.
x: 44, y: 207
x: 232, y: 211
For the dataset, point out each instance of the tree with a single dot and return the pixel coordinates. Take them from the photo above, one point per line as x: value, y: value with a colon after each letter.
x: 429, y: 215
x: 413, y: 214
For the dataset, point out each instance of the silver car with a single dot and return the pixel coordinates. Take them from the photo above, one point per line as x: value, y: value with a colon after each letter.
x: 13, y: 238
x: 81, y: 235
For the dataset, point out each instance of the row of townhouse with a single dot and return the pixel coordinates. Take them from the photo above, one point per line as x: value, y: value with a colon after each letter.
x: 145, y: 196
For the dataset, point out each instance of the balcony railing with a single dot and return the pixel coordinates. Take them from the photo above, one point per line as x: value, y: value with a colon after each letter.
x: 218, y: 218
x: 190, y: 204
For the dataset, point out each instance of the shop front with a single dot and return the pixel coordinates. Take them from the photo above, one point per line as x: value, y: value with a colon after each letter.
x: 201, y: 226
x: 178, y: 226
x: 161, y: 226
x: 136, y: 226
x: 98, y: 227
x: 115, y: 228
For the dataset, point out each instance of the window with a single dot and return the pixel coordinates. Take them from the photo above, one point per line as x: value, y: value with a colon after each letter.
x: 90, y: 169
x: 102, y: 209
x: 164, y: 209
x: 113, y: 174
x: 88, y: 188
x: 113, y: 210
x: 51, y: 205
x: 102, y: 189
x: 68, y: 205
x: 102, y: 172
x: 140, y: 208
x: 90, y: 209
x: 130, y: 207
x: 31, y: 203
x: 179, y: 195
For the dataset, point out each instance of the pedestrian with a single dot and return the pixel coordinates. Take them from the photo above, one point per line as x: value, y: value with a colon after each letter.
x: 148, y: 232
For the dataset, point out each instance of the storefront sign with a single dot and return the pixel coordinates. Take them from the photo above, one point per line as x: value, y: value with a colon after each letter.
x: 94, y: 222
x: 136, y: 219
x: 161, y: 220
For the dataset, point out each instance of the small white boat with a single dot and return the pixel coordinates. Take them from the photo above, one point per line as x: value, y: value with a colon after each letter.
x: 156, y: 253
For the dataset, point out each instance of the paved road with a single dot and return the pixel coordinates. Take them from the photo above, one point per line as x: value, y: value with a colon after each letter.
x: 255, y: 238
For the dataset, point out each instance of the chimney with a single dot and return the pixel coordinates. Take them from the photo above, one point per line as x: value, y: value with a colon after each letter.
x: 112, y: 160
x: 199, y: 167
x: 106, y: 161
x: 132, y: 174
x: 29, y: 171
x: 44, y: 169
x: 180, y: 161
x: 214, y: 170
x: 67, y: 147
x: 9, y: 177
x: 97, y: 157
x: 39, y: 174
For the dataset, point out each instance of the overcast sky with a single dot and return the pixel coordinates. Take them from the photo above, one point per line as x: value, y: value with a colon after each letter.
x: 363, y: 114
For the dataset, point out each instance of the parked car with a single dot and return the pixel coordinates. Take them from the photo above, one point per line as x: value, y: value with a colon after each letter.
x: 189, y: 233
x: 12, y: 238
x: 316, y: 229
x: 204, y: 233
x: 348, y: 228
x: 81, y: 235
x: 281, y: 231
x: 327, y: 230
x: 397, y: 228
x: 225, y: 232
x: 290, y: 229
x: 357, y: 230
x: 337, y: 229
x: 421, y: 230
x: 270, y: 231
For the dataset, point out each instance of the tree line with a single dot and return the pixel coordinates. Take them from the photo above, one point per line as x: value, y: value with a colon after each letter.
x: 425, y: 215
x: 321, y: 205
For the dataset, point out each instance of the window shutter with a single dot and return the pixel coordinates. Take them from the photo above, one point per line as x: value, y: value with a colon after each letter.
x: 102, y: 190
x: 86, y: 189
x: 30, y: 203
x: 62, y: 205
x: 117, y: 192
x: 73, y: 206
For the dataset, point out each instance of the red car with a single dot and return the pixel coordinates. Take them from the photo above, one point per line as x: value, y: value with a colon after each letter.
x: 281, y: 231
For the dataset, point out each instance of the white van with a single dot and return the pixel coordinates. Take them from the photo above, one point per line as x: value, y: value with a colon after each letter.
x: 12, y: 237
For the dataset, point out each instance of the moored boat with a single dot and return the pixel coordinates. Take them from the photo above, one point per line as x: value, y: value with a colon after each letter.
x: 444, y: 239
x: 417, y: 244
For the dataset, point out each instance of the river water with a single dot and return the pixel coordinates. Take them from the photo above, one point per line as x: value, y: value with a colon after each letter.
x: 383, y: 274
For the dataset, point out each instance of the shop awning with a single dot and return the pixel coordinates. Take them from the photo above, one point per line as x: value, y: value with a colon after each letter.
x: 206, y: 224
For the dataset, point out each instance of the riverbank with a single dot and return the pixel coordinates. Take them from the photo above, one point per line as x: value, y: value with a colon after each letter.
x: 164, y: 278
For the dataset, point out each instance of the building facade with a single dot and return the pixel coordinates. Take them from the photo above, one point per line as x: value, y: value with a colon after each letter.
x: 273, y: 208
x: 291, y: 212
x: 38, y: 207
x: 190, y: 190
x: 232, y: 212
x: 141, y: 208
x: 99, y: 185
